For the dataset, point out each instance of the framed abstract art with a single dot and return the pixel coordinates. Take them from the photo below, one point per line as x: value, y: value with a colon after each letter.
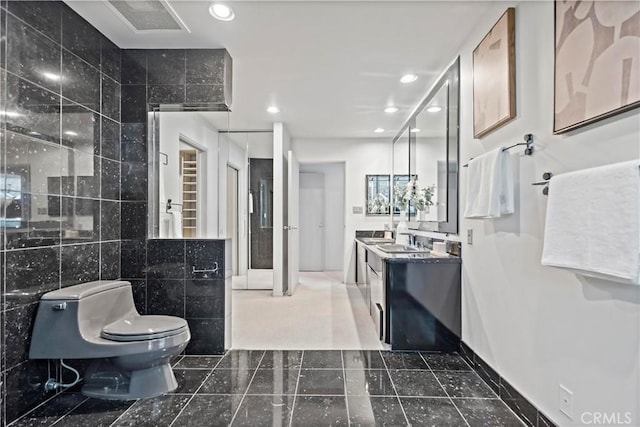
x: 597, y: 61
x: 494, y: 76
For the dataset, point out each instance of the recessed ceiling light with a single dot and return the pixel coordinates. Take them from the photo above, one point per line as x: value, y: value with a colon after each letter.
x: 71, y: 133
x: 408, y: 78
x: 221, y: 12
x: 379, y: 130
x: 33, y: 132
x: 415, y: 130
x: 51, y: 76
x: 434, y: 109
x: 391, y: 109
x: 273, y: 109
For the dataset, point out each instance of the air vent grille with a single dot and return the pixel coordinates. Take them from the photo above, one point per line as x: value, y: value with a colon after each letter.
x: 147, y: 15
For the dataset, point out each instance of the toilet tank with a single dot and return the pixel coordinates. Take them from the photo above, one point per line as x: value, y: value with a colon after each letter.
x: 71, y: 316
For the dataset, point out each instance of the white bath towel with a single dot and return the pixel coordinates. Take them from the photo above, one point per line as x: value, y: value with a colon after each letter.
x: 490, y: 185
x: 176, y: 225
x: 593, y: 222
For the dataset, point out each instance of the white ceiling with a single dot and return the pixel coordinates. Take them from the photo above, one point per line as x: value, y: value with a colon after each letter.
x: 331, y: 67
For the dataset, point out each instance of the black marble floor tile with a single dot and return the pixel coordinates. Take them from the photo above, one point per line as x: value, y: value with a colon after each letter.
x: 241, y: 359
x: 95, y: 413
x: 375, y: 411
x: 189, y: 380
x: 487, y: 412
x: 365, y: 382
x: 207, y: 411
x: 281, y: 359
x: 362, y: 359
x: 331, y: 359
x: 264, y: 411
x: 404, y: 360
x: 446, y: 362
x: 416, y: 383
x: 321, y: 382
x: 198, y: 362
x: 464, y: 384
x: 49, y: 413
x: 320, y: 411
x: 274, y: 381
x: 154, y: 412
x: 432, y: 412
x: 227, y: 381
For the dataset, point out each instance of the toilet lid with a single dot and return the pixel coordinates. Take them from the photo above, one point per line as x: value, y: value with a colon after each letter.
x: 142, y: 328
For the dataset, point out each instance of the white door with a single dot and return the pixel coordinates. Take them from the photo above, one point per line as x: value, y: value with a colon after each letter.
x: 293, y: 196
x: 311, y: 221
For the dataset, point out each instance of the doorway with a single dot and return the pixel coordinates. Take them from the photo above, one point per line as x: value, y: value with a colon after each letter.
x: 232, y: 217
x: 312, y: 209
x: 322, y: 216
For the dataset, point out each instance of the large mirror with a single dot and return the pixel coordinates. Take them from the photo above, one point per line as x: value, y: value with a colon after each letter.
x: 426, y: 159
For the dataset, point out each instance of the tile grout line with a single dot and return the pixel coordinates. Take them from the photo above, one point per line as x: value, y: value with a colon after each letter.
x: 384, y: 362
x: 198, y: 389
x: 68, y: 412
x: 44, y: 404
x: 344, y: 382
x: 444, y: 389
x: 255, y: 371
x: 295, y: 392
x: 125, y: 411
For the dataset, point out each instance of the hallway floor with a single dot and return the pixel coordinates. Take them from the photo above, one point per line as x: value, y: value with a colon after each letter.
x: 300, y: 388
x: 323, y: 314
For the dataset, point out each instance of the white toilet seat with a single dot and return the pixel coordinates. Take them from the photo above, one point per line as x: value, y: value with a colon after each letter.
x: 144, y: 328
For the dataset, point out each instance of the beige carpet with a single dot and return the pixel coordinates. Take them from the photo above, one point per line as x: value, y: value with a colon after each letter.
x: 324, y: 314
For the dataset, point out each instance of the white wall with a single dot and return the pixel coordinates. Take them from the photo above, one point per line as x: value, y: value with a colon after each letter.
x: 538, y: 326
x: 334, y: 211
x: 281, y: 147
x: 360, y: 157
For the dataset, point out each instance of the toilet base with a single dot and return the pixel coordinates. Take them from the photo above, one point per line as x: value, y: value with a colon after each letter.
x: 104, y: 380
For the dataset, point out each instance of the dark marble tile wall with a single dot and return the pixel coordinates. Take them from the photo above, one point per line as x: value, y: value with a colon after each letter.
x: 60, y: 166
x: 524, y: 409
x: 177, y: 286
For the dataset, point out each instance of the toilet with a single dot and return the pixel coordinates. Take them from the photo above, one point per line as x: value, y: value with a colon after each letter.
x: 98, y: 320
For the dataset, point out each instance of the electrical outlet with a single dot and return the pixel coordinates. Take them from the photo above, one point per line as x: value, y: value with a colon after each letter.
x: 566, y: 401
x: 469, y: 236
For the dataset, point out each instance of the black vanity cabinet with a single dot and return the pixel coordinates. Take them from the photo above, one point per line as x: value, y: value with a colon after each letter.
x: 414, y: 299
x: 424, y: 303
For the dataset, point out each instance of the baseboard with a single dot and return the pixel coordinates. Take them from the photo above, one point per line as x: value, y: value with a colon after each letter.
x: 524, y: 409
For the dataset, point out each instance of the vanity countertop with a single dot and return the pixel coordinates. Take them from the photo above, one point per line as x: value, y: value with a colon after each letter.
x: 417, y: 257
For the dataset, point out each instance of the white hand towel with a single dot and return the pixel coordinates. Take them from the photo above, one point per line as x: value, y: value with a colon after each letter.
x: 593, y: 222
x: 490, y: 185
x: 176, y: 225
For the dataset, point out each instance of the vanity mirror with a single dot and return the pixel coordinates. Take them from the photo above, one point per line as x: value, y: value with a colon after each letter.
x: 426, y: 158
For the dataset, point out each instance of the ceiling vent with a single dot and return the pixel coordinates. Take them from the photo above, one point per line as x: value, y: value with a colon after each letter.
x: 148, y: 15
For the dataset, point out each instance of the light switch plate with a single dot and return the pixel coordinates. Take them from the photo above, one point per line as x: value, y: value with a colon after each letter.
x: 357, y: 209
x: 470, y: 236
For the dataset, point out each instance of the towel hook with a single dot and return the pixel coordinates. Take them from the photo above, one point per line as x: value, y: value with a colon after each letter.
x: 546, y: 177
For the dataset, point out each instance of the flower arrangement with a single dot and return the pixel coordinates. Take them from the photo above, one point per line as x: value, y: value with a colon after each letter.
x: 379, y: 204
x: 420, y: 198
